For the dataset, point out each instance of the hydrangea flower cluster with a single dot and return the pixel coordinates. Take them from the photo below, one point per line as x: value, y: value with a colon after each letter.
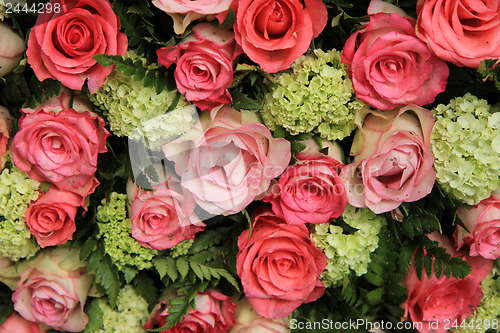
x: 115, y: 228
x: 465, y: 141
x: 130, y: 103
x: 129, y: 317
x: 181, y: 249
x: 348, y: 252
x: 17, y: 190
x: 489, y: 308
x: 316, y: 96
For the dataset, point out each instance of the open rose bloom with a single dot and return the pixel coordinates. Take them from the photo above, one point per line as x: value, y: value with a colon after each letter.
x: 392, y: 158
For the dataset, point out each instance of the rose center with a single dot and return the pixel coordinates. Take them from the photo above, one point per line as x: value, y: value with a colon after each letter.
x: 274, y: 20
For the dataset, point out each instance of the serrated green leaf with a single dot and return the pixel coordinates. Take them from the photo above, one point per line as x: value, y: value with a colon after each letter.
x: 428, y: 265
x: 103, y: 60
x: 405, y: 257
x: 95, y: 314
x: 243, y: 102
x: 375, y: 296
x: 207, y: 272
x: 374, y: 279
x: 87, y: 248
x: 149, y: 79
x: 129, y: 273
x: 172, y: 269
x: 226, y: 275
x: 196, y: 269
x: 419, y: 262
x: 182, y: 267
x: 161, y: 265
x: 110, y: 280
x: 95, y: 259
x: 280, y: 132
x: 438, y: 268
x: 296, y: 146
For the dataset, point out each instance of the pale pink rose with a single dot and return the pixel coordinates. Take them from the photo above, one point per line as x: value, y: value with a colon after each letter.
x: 62, y: 43
x: 275, y: 33
x: 310, y: 191
x: 12, y: 47
x: 227, y: 162
x: 53, y: 290
x: 204, y: 65
x: 483, y: 223
x: 464, y: 32
x: 59, y: 145
x: 279, y: 266
x: 183, y: 12
x: 381, y: 6
x: 5, y: 132
x: 213, y: 313
x: 389, y: 66
x: 51, y: 218
x: 392, y: 158
x: 249, y: 321
x: 17, y: 324
x: 443, y: 300
x: 164, y: 217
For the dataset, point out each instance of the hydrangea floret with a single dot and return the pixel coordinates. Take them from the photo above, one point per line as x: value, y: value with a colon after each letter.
x: 348, y: 253
x: 316, y: 95
x: 465, y: 141
x: 17, y: 190
x: 488, y: 311
x: 181, y: 249
x: 129, y: 317
x: 129, y: 103
x: 115, y: 228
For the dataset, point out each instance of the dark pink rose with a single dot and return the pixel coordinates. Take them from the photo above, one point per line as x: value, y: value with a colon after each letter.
x: 53, y: 290
x: 443, y: 300
x: 279, y: 266
x: 17, y: 324
x: 164, y: 217
x: 389, y: 66
x: 204, y: 65
x: 228, y: 161
x: 62, y: 42
x: 213, y: 313
x: 275, y: 33
x: 464, y: 32
x: 483, y: 222
x: 51, y: 218
x: 392, y: 158
x: 60, y: 145
x: 310, y: 191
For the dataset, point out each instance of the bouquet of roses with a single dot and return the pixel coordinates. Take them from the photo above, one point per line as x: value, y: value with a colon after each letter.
x: 249, y: 166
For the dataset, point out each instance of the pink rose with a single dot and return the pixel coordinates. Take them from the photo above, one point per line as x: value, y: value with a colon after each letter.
x: 17, y: 324
x: 249, y: 321
x: 213, y: 313
x: 464, y: 32
x: 483, y: 222
x: 5, y: 132
x: 392, y: 158
x: 226, y: 163
x: 279, y: 266
x: 183, y: 12
x: 432, y: 300
x: 51, y: 218
x: 164, y: 217
x: 59, y: 145
x: 275, y: 33
x: 309, y: 191
x: 389, y: 66
x: 62, y: 43
x: 12, y: 48
x: 204, y: 65
x: 53, y: 290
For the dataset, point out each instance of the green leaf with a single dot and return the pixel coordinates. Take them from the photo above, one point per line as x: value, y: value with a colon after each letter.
x: 226, y: 275
x: 428, y: 265
x: 243, y: 102
x: 297, y: 146
x: 95, y: 259
x: 229, y: 20
x: 197, y: 270
x: 87, y: 248
x: 375, y: 296
x: 95, y: 314
x: 172, y: 269
x: 130, y: 273
x: 103, y: 60
x: 161, y: 265
x: 110, y: 280
x: 182, y: 267
x: 419, y: 262
x: 145, y: 287
x: 405, y: 257
x: 374, y: 279
x: 280, y: 132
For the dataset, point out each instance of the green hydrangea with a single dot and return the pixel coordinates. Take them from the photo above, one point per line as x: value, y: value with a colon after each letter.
x: 316, y: 96
x: 489, y: 309
x: 130, y: 103
x: 348, y: 253
x: 129, y: 317
x: 182, y: 248
x: 115, y: 228
x: 466, y: 145
x: 17, y: 190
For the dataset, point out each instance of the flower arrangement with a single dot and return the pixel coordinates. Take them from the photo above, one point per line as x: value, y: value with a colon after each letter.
x: 249, y: 166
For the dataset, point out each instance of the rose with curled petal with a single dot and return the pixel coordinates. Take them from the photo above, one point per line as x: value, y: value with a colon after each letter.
x: 213, y: 312
x: 59, y: 144
x: 53, y: 290
x: 392, y: 158
x: 63, y: 41
x: 275, y: 33
x: 483, y: 223
x: 279, y: 266
x: 444, y: 300
x: 228, y: 161
x: 204, y: 65
x: 464, y: 32
x: 17, y: 324
x: 390, y: 67
x: 12, y: 47
x: 164, y: 217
